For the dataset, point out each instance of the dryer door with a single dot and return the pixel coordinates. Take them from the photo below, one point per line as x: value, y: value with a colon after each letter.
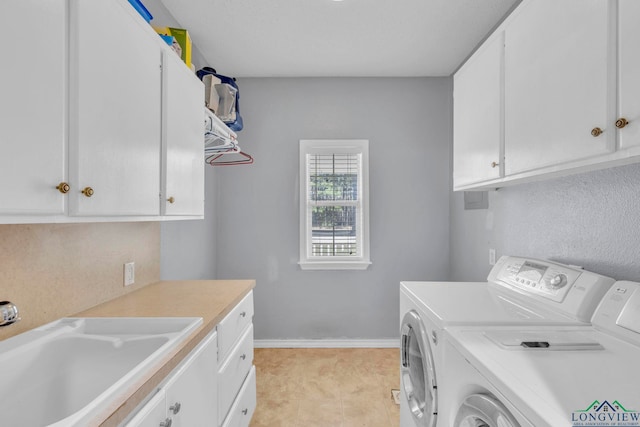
x: 484, y: 410
x: 417, y: 371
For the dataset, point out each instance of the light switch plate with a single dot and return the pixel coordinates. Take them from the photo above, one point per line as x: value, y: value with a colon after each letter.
x: 492, y: 256
x: 129, y: 273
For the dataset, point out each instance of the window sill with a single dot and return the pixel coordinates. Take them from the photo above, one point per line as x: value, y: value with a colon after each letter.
x: 334, y: 265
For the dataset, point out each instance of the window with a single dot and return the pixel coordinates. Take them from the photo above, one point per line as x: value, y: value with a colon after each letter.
x: 334, y: 205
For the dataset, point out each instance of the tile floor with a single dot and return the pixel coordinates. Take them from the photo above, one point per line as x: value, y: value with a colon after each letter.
x: 342, y: 387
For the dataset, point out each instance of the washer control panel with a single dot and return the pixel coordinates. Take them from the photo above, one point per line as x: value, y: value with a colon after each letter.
x: 537, y: 277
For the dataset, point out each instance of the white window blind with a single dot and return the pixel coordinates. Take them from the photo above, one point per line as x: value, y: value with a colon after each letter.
x: 334, y: 209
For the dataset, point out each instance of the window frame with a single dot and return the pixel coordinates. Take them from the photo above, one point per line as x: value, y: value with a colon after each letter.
x: 334, y: 262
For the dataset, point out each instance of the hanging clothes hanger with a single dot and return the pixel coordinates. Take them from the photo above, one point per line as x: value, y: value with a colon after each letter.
x: 221, y: 145
x: 215, y: 160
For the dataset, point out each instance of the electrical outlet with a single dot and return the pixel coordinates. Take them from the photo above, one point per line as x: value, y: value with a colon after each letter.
x: 492, y: 256
x: 129, y: 273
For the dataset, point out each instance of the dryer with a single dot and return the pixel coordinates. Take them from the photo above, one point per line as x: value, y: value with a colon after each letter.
x: 518, y: 291
x: 556, y: 376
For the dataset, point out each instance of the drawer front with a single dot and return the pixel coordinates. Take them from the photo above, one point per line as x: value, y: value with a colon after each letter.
x: 232, y: 326
x: 245, y: 405
x: 233, y: 373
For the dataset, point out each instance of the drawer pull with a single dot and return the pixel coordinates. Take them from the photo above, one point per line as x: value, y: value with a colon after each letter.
x: 166, y: 423
x: 244, y: 356
x: 243, y: 314
x: 245, y: 411
x: 175, y: 408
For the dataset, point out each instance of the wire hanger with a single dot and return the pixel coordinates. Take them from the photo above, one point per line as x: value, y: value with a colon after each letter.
x: 215, y: 160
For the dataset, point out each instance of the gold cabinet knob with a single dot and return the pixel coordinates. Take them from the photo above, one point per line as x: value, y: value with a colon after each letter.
x: 88, y: 191
x: 171, y: 200
x: 495, y: 164
x: 63, y: 187
x: 596, y: 132
x: 621, y: 122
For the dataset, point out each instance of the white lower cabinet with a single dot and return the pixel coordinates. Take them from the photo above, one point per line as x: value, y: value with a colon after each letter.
x: 214, y: 386
x: 152, y: 414
x: 245, y: 404
x: 236, y: 373
x: 191, y: 392
x: 233, y: 372
x: 188, y: 396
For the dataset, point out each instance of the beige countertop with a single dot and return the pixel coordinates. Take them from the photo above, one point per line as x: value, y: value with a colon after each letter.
x: 209, y: 299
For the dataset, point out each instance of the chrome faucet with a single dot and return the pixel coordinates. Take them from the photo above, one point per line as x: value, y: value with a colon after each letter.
x: 8, y: 313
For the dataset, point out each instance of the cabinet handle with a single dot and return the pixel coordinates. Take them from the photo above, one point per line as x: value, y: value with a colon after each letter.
x: 244, y: 356
x: 171, y: 200
x: 243, y: 314
x: 63, y: 187
x: 494, y: 164
x: 175, y: 408
x: 88, y: 191
x: 621, y: 122
x: 596, y: 132
x: 166, y: 423
x: 245, y: 411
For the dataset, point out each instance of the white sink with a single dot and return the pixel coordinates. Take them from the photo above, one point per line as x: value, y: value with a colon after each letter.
x: 66, y: 372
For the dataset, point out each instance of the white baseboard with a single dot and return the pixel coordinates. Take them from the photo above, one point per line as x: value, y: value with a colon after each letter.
x: 328, y: 343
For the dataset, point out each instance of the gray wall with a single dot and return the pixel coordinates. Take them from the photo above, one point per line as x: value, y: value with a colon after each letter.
x: 408, y: 124
x: 589, y: 219
x: 188, y: 249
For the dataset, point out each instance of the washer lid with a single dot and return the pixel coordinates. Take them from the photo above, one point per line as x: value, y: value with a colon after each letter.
x: 482, y: 410
x: 464, y: 303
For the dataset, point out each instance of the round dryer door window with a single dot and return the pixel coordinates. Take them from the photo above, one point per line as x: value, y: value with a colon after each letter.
x: 485, y: 411
x: 417, y: 371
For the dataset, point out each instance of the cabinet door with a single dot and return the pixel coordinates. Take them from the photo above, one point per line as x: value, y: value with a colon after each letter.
x: 477, y: 115
x: 152, y: 414
x: 629, y: 70
x: 115, y: 116
x: 32, y: 113
x: 191, y: 393
x: 183, y: 139
x: 556, y: 83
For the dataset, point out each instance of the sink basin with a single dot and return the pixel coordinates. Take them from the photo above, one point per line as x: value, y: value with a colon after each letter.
x: 66, y: 372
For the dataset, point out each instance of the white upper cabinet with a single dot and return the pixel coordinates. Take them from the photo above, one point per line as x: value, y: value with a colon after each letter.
x: 115, y: 111
x: 99, y: 119
x: 33, y: 130
x: 571, y: 93
x: 477, y: 113
x: 629, y: 73
x: 182, y: 139
x: 557, y: 85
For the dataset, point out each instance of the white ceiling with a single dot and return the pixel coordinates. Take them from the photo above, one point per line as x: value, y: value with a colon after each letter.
x: 303, y: 38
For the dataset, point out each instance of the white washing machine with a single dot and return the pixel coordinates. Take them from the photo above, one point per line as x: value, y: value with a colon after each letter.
x: 518, y: 291
x: 555, y: 376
